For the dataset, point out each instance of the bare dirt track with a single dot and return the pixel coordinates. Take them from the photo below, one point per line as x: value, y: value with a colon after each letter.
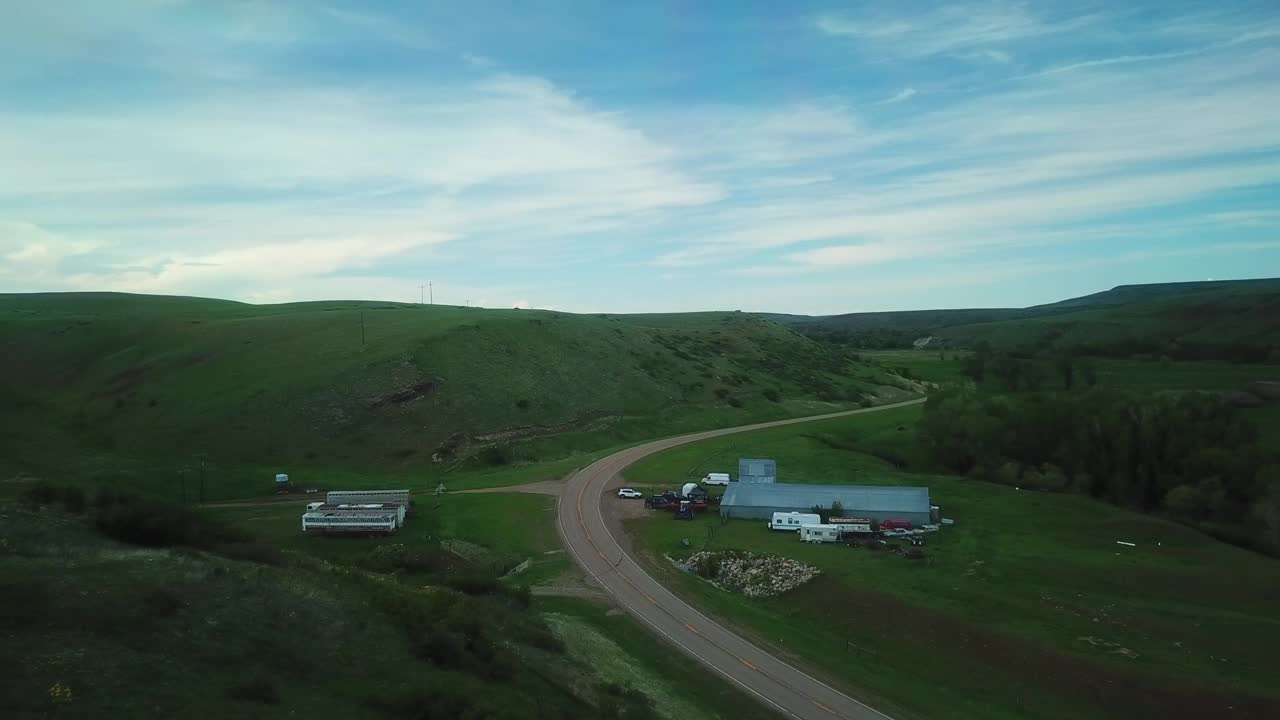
x: 597, y: 550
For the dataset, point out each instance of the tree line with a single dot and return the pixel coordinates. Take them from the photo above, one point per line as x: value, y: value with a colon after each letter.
x: 1189, y: 455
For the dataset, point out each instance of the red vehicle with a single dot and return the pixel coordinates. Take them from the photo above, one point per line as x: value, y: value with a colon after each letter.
x: 895, y: 524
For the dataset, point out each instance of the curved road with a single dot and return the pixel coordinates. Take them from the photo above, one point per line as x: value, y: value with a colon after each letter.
x: 775, y: 683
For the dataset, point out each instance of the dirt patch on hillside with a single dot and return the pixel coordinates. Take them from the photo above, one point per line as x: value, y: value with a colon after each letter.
x: 405, y: 395
x: 1011, y: 660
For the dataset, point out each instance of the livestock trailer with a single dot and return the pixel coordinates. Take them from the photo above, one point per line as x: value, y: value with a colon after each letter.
x: 365, y: 497
x: 383, y: 518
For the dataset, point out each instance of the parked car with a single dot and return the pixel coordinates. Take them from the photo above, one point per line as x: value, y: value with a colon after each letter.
x: 655, y: 502
x: 629, y: 493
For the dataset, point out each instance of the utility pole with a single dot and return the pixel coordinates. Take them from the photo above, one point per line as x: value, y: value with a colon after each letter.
x: 200, y: 458
x: 362, y: 328
x: 431, y: 295
x: 422, y: 289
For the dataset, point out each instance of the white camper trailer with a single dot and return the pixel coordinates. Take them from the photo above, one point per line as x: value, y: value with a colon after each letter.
x: 819, y: 533
x: 793, y: 520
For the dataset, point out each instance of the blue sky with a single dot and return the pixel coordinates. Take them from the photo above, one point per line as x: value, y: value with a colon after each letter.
x: 790, y: 157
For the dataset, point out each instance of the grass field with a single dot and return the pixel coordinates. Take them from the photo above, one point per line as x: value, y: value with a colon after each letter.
x: 93, y: 628
x: 498, y: 530
x: 1026, y: 608
x: 129, y: 390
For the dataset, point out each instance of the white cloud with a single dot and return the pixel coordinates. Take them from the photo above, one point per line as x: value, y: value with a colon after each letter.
x: 903, y: 94
x: 479, y: 61
x: 962, y: 30
x: 511, y: 161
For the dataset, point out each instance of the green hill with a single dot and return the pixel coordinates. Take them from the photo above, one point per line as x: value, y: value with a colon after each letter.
x: 121, y: 384
x: 1237, y: 323
x: 1214, y: 320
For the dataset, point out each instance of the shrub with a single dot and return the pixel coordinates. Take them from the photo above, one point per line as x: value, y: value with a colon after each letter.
x: 734, y: 402
x: 772, y: 395
x: 474, y: 583
x: 161, y: 602
x: 522, y: 403
x: 722, y: 392
x: 618, y: 702
x: 258, y: 690
x: 106, y: 496
x: 708, y: 566
x: 40, y: 493
x: 497, y: 455
x: 252, y: 552
x: 156, y: 524
x: 73, y: 499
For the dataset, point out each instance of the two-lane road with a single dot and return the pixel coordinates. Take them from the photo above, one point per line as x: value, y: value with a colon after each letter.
x: 582, y: 526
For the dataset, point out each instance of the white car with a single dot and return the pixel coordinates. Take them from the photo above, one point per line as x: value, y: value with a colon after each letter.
x: 629, y: 493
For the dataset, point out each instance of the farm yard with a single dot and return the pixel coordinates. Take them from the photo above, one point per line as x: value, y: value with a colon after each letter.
x: 1026, y: 589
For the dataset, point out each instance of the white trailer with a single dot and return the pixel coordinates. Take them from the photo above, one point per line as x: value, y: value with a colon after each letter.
x: 349, y: 524
x: 819, y: 533
x: 353, y: 518
x: 793, y: 520
x: 716, y: 479
x: 360, y: 509
x: 853, y: 525
x: 358, y: 497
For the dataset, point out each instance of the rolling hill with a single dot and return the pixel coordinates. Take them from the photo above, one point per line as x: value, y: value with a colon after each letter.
x: 1230, y: 320
x: 104, y: 382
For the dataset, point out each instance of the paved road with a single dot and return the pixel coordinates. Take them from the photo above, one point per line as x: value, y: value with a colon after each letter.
x: 772, y: 681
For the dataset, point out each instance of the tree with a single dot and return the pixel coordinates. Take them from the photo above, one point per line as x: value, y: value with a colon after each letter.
x: 1065, y: 364
x: 1185, y: 503
x: 837, y: 510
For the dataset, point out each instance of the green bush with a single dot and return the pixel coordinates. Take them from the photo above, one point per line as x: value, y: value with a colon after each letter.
x: 624, y: 703
x: 39, y: 494
x: 772, y: 395
x: 256, y: 552
x: 156, y: 524
x: 73, y: 499
x: 259, y: 690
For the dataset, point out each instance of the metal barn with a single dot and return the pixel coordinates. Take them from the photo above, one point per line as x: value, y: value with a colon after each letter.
x: 757, y: 470
x: 761, y: 500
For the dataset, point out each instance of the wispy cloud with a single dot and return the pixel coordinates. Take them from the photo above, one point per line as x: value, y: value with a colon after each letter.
x: 960, y: 30
x: 289, y: 150
x: 903, y: 94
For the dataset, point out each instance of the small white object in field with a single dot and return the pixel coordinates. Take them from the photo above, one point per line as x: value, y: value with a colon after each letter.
x: 1126, y: 544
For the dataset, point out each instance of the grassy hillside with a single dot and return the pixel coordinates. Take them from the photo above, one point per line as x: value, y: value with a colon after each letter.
x: 91, y: 627
x: 120, y: 385
x: 1127, y: 294
x: 1210, y: 315
x: 1027, y: 607
x: 1236, y: 323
